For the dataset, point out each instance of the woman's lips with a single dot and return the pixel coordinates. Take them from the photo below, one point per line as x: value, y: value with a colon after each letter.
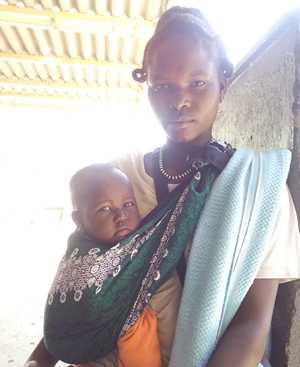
x: 178, y: 125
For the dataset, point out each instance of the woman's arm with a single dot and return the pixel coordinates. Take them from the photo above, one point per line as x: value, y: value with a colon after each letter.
x: 40, y: 357
x: 244, y: 341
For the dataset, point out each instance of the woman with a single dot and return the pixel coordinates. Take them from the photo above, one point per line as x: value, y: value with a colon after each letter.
x: 186, y: 69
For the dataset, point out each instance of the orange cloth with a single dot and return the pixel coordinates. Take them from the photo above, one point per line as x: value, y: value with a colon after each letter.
x: 140, y: 345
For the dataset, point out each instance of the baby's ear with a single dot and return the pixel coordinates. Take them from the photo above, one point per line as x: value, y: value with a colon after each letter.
x: 77, y: 218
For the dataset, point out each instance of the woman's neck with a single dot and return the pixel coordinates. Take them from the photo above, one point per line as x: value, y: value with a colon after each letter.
x: 177, y: 155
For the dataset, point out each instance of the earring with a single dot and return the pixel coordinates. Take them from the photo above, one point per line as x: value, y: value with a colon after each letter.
x: 222, y: 94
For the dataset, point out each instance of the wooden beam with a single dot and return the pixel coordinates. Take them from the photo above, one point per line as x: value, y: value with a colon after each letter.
x: 86, y: 45
x: 28, y: 40
x: 30, y: 70
x: 10, y: 83
x: 41, y: 71
x: 5, y: 69
x: 12, y: 38
x: 66, y: 21
x: 3, y: 42
x: 32, y: 95
x: 61, y: 102
x: 53, y: 71
x: 36, y: 59
x: 83, y: 6
x: 134, y: 8
x: 87, y: 96
x: 71, y: 44
x: 56, y: 42
x: 100, y: 46
x: 65, y: 5
x: 47, y: 4
x: 101, y: 7
x: 163, y: 6
x: 152, y: 9
x: 17, y: 69
x: 41, y: 41
x: 66, y: 73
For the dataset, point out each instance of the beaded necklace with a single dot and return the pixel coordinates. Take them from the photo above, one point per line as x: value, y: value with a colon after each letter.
x: 177, y: 177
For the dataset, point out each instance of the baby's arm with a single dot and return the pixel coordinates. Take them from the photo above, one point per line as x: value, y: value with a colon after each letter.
x: 40, y: 357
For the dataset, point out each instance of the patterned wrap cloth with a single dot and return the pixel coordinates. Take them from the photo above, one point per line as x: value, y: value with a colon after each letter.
x: 99, y: 293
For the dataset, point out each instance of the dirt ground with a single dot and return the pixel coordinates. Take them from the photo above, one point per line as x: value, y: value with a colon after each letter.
x: 28, y: 264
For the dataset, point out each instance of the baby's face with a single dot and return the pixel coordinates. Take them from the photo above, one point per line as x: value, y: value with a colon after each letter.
x: 111, y: 212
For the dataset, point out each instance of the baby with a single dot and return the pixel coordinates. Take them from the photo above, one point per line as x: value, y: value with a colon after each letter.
x: 104, y: 204
x: 105, y: 210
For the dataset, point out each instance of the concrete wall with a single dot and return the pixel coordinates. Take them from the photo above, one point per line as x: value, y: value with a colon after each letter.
x: 262, y: 110
x: 257, y: 110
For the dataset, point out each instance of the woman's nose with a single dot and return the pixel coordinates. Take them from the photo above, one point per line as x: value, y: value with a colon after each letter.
x: 180, y: 101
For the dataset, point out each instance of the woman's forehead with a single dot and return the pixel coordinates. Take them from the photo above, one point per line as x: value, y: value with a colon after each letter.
x: 180, y: 55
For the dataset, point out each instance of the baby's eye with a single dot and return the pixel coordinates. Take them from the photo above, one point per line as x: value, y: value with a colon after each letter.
x: 104, y: 209
x: 198, y: 83
x: 129, y: 204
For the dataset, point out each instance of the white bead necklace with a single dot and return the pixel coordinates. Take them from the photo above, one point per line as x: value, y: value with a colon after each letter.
x: 177, y: 177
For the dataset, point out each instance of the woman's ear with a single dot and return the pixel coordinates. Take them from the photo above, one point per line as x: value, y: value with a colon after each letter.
x: 77, y: 218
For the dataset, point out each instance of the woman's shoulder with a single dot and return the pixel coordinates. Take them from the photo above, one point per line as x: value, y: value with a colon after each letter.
x: 136, y: 165
x: 282, y: 260
x: 275, y: 158
x: 130, y: 159
x: 133, y: 165
x: 253, y: 152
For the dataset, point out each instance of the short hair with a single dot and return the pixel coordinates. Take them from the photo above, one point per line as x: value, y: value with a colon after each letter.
x: 192, y: 23
x: 86, y: 180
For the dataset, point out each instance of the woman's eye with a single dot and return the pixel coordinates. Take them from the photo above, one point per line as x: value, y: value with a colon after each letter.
x: 161, y: 87
x: 198, y: 83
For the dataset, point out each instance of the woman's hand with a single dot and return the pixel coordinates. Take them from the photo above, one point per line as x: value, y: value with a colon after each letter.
x: 40, y: 357
x: 244, y: 342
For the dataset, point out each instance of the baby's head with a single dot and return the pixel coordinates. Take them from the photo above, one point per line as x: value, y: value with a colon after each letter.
x: 104, y: 206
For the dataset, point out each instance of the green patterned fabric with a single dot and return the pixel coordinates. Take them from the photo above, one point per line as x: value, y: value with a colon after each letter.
x: 99, y: 293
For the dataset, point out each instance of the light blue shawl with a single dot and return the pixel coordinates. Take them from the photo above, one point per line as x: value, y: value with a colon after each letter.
x: 227, y: 251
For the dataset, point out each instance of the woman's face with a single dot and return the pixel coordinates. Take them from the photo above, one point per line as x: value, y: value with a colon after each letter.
x: 184, y: 88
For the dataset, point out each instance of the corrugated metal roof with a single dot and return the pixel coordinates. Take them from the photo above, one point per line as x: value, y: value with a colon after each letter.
x: 73, y: 49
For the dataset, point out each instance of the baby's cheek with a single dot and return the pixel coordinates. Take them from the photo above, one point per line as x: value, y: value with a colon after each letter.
x: 105, y: 228
x: 136, y: 218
